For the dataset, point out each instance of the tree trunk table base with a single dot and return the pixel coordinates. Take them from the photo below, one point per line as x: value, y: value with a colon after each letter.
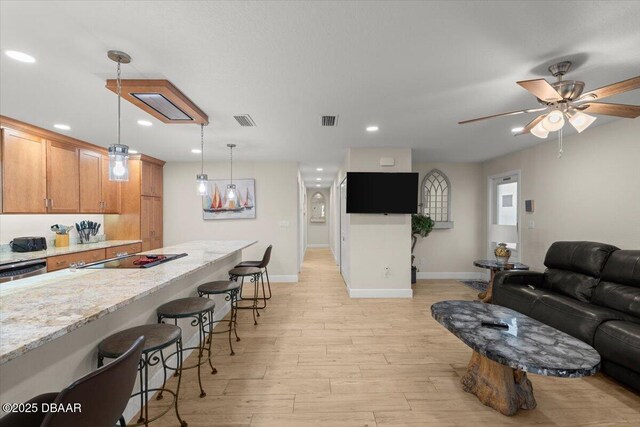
x: 503, y: 388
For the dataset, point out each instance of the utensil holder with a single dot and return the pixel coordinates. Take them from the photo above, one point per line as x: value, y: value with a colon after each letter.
x: 62, y: 240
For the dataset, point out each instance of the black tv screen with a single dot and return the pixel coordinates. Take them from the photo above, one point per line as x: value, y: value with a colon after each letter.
x: 380, y: 192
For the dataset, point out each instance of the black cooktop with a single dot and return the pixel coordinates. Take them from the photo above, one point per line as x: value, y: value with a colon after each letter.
x: 136, y: 261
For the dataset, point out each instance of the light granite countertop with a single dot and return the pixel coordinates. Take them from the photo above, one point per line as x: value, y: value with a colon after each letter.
x: 36, y: 310
x: 7, y: 257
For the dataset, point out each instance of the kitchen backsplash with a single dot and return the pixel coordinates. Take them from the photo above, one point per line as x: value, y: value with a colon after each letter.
x: 12, y: 226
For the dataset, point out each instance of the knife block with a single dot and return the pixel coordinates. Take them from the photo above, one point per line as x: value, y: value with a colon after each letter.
x: 62, y: 240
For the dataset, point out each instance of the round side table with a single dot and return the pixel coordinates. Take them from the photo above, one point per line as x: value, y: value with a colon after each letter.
x: 495, y: 266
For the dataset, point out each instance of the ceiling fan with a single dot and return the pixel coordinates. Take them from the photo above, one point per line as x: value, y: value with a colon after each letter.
x: 564, y: 100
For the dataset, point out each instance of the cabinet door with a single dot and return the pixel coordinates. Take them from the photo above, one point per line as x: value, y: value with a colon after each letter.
x: 90, y: 182
x: 146, y: 222
x: 156, y: 175
x: 63, y: 179
x: 24, y: 173
x: 156, y: 234
x: 110, y: 190
x: 146, y: 179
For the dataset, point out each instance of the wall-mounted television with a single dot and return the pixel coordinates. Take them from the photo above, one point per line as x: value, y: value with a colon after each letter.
x: 382, y: 192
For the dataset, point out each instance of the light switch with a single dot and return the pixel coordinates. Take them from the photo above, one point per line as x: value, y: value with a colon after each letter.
x: 531, y: 224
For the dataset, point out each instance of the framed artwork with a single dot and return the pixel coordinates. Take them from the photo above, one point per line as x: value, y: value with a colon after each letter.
x: 216, y: 205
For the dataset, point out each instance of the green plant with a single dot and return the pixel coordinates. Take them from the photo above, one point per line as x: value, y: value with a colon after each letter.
x: 421, y: 226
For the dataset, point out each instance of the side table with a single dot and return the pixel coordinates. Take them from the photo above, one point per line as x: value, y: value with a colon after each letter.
x: 495, y: 266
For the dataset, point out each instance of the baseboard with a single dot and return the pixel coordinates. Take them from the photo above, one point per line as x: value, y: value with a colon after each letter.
x: 317, y: 245
x: 470, y: 275
x: 283, y: 278
x: 380, y: 293
x: 156, y: 380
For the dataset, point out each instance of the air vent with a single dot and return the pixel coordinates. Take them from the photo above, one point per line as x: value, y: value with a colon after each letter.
x: 328, y: 120
x: 245, y: 120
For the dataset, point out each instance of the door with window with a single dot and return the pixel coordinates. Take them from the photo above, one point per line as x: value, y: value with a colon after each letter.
x: 504, y: 213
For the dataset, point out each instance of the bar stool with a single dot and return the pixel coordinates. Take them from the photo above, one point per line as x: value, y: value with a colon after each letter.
x: 261, y: 264
x: 157, y: 338
x: 254, y: 274
x: 200, y: 310
x: 231, y: 289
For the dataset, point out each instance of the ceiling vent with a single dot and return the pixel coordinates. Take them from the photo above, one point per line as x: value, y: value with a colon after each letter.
x: 245, y: 120
x: 329, y: 121
x: 161, y: 99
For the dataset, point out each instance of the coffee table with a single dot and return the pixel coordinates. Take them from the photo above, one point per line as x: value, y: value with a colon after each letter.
x: 495, y: 266
x: 497, y: 371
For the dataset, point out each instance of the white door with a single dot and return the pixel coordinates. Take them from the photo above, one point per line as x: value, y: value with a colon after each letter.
x: 504, y: 213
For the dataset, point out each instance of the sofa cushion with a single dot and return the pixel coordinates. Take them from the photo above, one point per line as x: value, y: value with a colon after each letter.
x: 576, y: 318
x: 619, y: 342
x: 580, y: 257
x: 619, y: 287
x: 517, y: 297
x: 576, y: 285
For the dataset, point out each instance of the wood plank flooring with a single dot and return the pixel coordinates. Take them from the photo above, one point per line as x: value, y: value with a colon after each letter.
x: 319, y: 358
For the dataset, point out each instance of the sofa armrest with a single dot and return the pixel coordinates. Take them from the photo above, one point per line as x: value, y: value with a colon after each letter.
x: 518, y: 277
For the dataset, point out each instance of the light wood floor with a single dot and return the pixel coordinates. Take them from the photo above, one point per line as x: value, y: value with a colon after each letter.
x: 319, y: 358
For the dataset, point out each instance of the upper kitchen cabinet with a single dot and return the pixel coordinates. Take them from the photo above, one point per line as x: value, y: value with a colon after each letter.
x: 151, y: 179
x: 110, y: 190
x: 63, y: 177
x: 97, y: 193
x: 24, y: 172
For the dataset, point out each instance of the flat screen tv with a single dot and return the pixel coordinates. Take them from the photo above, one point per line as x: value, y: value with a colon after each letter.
x: 382, y: 192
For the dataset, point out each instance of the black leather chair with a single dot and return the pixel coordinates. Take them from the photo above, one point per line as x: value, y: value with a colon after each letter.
x: 102, y: 395
x: 590, y: 291
x: 262, y: 264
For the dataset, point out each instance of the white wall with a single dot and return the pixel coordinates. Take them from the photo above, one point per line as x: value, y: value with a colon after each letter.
x: 591, y: 193
x: 377, y: 241
x: 449, y: 253
x: 40, y: 225
x: 276, y: 211
x: 318, y: 232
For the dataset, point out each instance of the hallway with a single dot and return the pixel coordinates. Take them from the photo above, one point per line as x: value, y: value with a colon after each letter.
x: 319, y: 358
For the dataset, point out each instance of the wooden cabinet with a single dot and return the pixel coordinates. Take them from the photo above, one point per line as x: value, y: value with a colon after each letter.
x: 63, y: 178
x: 62, y: 261
x: 117, y: 251
x: 24, y: 173
x: 97, y: 193
x: 151, y: 179
x: 151, y: 222
x: 110, y: 190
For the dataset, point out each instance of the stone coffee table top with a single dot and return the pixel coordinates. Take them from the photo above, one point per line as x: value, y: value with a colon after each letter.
x: 526, y: 345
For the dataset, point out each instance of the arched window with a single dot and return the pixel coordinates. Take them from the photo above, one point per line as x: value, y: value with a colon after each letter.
x: 436, y: 198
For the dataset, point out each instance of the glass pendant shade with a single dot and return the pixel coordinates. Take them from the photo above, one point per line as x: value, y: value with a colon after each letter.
x: 118, y: 162
x: 553, y: 121
x: 203, y: 187
x: 539, y: 131
x: 231, y: 195
x: 580, y: 121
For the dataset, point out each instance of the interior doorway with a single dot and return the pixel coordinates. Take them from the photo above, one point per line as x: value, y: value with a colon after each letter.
x: 504, y: 213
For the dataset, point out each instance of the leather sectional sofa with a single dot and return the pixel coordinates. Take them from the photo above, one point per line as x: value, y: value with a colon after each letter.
x: 590, y: 291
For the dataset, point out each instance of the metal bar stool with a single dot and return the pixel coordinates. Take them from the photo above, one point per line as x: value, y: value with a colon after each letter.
x: 200, y: 310
x: 231, y: 289
x: 157, y: 338
x: 254, y: 274
x: 261, y: 264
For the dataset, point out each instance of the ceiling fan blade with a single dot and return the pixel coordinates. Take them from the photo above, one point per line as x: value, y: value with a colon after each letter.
x: 531, y: 125
x: 613, y: 89
x: 618, y: 110
x: 512, y: 113
x: 541, y: 89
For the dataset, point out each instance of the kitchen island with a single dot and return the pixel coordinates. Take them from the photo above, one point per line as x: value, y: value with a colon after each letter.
x: 50, y: 325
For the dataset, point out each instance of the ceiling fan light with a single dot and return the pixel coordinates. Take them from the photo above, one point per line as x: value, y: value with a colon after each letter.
x: 553, y: 121
x: 539, y: 131
x: 580, y: 121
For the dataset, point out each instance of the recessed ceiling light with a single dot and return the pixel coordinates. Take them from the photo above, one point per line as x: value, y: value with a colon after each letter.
x: 62, y: 127
x: 317, y: 185
x: 133, y: 151
x: 372, y: 128
x: 145, y: 123
x: 319, y: 169
x: 196, y: 151
x: 318, y: 179
x: 20, y: 56
x: 518, y: 129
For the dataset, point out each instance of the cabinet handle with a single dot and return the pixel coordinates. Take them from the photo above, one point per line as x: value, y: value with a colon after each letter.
x: 46, y: 202
x: 61, y: 262
x: 50, y: 203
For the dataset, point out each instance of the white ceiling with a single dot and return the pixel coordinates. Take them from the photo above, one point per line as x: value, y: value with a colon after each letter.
x: 415, y: 69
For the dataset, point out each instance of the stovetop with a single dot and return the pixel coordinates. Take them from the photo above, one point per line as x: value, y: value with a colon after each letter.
x: 135, y: 261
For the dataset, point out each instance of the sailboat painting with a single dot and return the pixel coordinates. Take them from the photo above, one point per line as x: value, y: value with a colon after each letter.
x: 217, y: 206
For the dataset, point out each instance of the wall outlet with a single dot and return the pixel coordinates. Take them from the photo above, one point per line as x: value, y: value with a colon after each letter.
x: 387, y: 271
x: 531, y: 225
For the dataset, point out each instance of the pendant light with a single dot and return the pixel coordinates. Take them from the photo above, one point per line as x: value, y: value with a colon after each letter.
x: 231, y: 194
x: 202, y: 177
x: 119, y: 153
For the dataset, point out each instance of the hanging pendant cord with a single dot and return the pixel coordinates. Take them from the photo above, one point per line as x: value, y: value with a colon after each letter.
x: 119, y: 91
x: 231, y: 157
x: 202, y: 148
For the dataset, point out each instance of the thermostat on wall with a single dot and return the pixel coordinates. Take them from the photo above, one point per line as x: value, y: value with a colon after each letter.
x: 387, y: 161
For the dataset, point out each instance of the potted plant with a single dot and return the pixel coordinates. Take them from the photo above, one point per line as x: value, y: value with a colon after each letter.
x: 421, y: 226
